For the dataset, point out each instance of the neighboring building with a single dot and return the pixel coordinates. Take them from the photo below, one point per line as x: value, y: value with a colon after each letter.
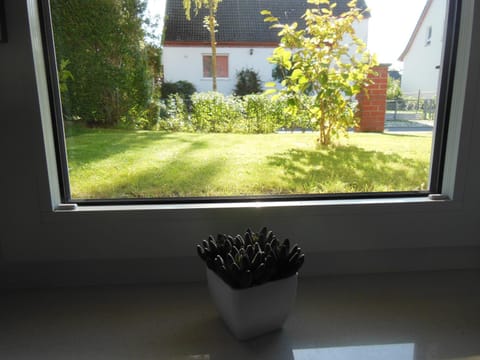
x: 395, y: 74
x: 244, y: 40
x: 422, y: 55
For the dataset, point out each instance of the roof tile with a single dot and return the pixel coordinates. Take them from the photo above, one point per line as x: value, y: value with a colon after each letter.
x: 238, y: 20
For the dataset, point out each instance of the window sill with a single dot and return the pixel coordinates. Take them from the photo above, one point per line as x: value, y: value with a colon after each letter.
x: 218, y: 79
x: 179, y: 321
x: 398, y: 203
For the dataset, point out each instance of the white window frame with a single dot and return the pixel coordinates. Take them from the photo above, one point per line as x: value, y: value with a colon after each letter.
x: 449, y: 179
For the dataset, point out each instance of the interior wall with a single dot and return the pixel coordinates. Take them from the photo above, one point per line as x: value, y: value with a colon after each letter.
x: 39, y: 246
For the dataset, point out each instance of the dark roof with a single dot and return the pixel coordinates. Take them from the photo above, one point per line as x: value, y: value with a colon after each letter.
x: 238, y: 20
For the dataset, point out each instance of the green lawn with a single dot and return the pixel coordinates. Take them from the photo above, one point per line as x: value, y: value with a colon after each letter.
x: 122, y: 163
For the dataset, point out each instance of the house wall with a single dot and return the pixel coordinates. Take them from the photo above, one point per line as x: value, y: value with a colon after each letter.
x: 127, y: 244
x: 185, y: 63
x: 419, y: 67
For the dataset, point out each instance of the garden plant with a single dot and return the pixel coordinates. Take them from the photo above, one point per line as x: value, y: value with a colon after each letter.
x: 324, y: 59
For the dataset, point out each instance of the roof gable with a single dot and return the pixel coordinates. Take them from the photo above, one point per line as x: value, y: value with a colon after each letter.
x: 415, y: 32
x: 239, y: 20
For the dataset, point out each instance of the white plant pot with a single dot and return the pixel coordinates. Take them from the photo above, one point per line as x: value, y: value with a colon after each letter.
x: 256, y: 310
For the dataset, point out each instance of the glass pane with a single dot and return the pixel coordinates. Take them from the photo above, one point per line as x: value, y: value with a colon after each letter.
x: 222, y: 66
x: 322, y: 111
x: 207, y: 66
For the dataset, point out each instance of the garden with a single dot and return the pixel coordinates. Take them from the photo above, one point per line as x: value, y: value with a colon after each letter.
x: 129, y: 134
x: 116, y: 163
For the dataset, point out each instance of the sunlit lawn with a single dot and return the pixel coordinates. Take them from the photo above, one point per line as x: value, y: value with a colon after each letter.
x: 122, y: 163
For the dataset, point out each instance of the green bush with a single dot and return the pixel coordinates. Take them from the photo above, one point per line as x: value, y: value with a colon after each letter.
x: 394, y: 90
x: 262, y: 114
x: 248, y: 82
x: 173, y: 114
x: 184, y: 88
x: 265, y: 114
x: 214, y: 112
x: 302, y: 120
x: 141, y: 118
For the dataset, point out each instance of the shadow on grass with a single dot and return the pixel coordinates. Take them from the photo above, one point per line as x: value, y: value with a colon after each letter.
x: 179, y: 178
x: 94, y: 145
x: 352, y: 169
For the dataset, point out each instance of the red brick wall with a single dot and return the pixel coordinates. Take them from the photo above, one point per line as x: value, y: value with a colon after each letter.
x: 372, y: 107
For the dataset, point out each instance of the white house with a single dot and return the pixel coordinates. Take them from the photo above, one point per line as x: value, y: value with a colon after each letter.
x: 422, y: 55
x: 244, y: 40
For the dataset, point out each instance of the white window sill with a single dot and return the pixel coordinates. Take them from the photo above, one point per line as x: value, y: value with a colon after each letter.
x: 218, y: 79
x: 390, y: 316
x: 398, y: 203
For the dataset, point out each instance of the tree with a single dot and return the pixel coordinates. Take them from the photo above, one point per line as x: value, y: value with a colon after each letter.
x: 325, y: 61
x: 248, y: 82
x: 154, y: 55
x: 103, y: 41
x: 394, y: 90
x: 279, y: 73
x: 210, y: 24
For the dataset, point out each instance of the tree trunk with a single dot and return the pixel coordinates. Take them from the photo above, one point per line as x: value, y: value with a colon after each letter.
x: 213, y: 44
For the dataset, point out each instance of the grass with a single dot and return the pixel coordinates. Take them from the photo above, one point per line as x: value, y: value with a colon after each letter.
x: 143, y: 164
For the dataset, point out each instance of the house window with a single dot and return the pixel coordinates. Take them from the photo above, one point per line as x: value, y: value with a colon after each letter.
x: 124, y: 144
x: 428, y: 37
x: 222, y: 66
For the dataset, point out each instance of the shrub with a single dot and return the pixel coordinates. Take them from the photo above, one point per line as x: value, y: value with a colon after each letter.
x: 266, y: 114
x: 174, y: 115
x: 184, y: 88
x: 279, y: 73
x: 302, y: 120
x: 248, y: 82
x: 336, y: 80
x: 261, y: 114
x: 394, y: 90
x: 214, y: 112
x: 143, y: 119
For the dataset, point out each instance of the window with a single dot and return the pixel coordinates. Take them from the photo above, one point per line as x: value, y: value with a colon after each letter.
x: 428, y: 38
x: 222, y: 66
x: 33, y: 234
x: 125, y: 143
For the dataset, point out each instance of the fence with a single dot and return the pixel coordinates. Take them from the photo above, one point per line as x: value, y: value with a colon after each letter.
x: 411, y: 109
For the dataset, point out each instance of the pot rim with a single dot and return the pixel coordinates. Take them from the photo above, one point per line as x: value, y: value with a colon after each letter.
x: 268, y: 283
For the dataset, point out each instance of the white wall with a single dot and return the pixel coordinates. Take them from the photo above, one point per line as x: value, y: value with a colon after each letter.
x: 361, y: 29
x: 185, y: 63
x: 39, y: 246
x: 419, y: 67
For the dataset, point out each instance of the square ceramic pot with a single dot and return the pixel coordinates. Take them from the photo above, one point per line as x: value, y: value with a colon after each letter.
x: 256, y: 310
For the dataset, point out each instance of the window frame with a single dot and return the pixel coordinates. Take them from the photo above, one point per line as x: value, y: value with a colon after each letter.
x: 218, y: 56
x: 449, y: 56
x: 46, y: 244
x: 428, y: 36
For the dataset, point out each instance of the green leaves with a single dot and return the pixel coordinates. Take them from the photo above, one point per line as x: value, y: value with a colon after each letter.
x: 324, y: 66
x: 107, y: 76
x: 251, y: 260
x: 282, y: 57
